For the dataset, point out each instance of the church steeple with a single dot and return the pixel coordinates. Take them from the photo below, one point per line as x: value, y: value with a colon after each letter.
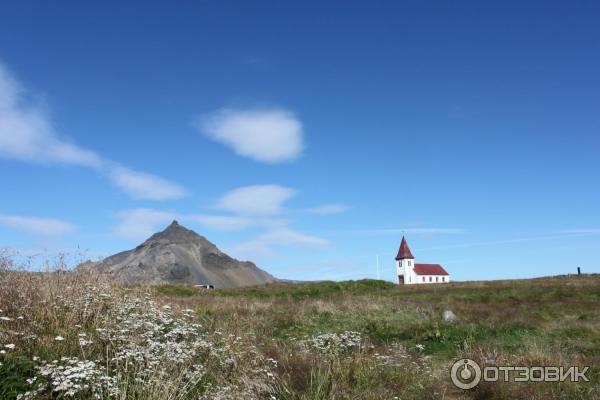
x: 404, y: 251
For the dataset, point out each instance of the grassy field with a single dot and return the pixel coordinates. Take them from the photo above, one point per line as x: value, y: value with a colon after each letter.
x: 70, y: 336
x: 407, y: 349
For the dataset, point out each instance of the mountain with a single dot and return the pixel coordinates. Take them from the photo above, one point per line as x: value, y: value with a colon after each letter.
x: 179, y: 255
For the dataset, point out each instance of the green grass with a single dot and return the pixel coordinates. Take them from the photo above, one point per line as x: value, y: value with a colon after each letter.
x: 308, y: 290
x: 547, y: 320
x: 403, y: 348
x: 12, y: 376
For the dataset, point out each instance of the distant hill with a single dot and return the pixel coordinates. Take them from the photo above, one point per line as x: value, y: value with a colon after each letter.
x: 179, y: 255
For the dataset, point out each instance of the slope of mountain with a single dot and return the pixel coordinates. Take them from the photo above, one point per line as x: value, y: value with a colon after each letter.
x: 179, y: 255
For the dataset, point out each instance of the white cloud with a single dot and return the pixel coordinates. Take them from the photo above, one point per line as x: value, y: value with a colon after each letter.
x: 289, y: 237
x: 270, y: 136
x: 234, y: 222
x: 141, y: 185
x: 256, y: 200
x: 37, y: 226
x: 26, y: 134
x: 400, y: 231
x: 263, y: 246
x: 327, y: 209
x: 140, y: 223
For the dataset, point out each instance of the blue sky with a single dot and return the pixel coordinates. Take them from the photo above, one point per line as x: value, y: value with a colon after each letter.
x: 304, y: 136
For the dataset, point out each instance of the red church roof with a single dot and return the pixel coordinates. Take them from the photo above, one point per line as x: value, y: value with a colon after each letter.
x: 429, y: 269
x: 404, y: 251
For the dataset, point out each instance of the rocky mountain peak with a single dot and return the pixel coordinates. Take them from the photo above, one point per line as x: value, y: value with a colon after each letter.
x: 180, y: 255
x: 176, y: 233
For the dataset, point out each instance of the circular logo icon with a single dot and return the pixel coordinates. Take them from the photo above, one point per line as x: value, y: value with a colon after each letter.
x: 465, y: 373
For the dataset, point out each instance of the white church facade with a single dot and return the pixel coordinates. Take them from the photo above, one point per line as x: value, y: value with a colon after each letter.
x: 409, y: 273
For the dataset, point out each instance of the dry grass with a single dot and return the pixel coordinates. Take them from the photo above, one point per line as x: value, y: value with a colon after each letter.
x: 70, y: 336
x: 552, y: 321
x: 290, y: 341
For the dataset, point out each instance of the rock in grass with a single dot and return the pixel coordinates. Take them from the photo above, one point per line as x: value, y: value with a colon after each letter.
x: 448, y: 316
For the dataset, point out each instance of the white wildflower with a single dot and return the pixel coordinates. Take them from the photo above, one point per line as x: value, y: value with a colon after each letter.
x: 142, y: 341
x: 337, y: 342
x: 272, y: 361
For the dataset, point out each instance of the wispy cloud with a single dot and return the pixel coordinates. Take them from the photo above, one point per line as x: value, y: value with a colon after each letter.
x: 36, y: 225
x: 257, y: 206
x: 270, y: 135
x: 234, y: 222
x: 327, y: 209
x: 26, y: 134
x: 400, y: 231
x: 257, y: 200
x: 289, y: 237
x: 141, y: 185
x: 264, y: 245
x: 140, y: 223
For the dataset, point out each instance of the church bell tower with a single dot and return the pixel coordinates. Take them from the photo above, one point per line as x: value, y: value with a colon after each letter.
x: 405, y: 262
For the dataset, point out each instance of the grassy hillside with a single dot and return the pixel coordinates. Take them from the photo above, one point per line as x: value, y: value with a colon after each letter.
x: 73, y: 336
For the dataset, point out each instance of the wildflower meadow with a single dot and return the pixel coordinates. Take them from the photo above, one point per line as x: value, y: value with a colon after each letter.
x: 65, y: 335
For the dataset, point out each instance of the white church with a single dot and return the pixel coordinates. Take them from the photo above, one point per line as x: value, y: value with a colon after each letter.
x: 410, y: 273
